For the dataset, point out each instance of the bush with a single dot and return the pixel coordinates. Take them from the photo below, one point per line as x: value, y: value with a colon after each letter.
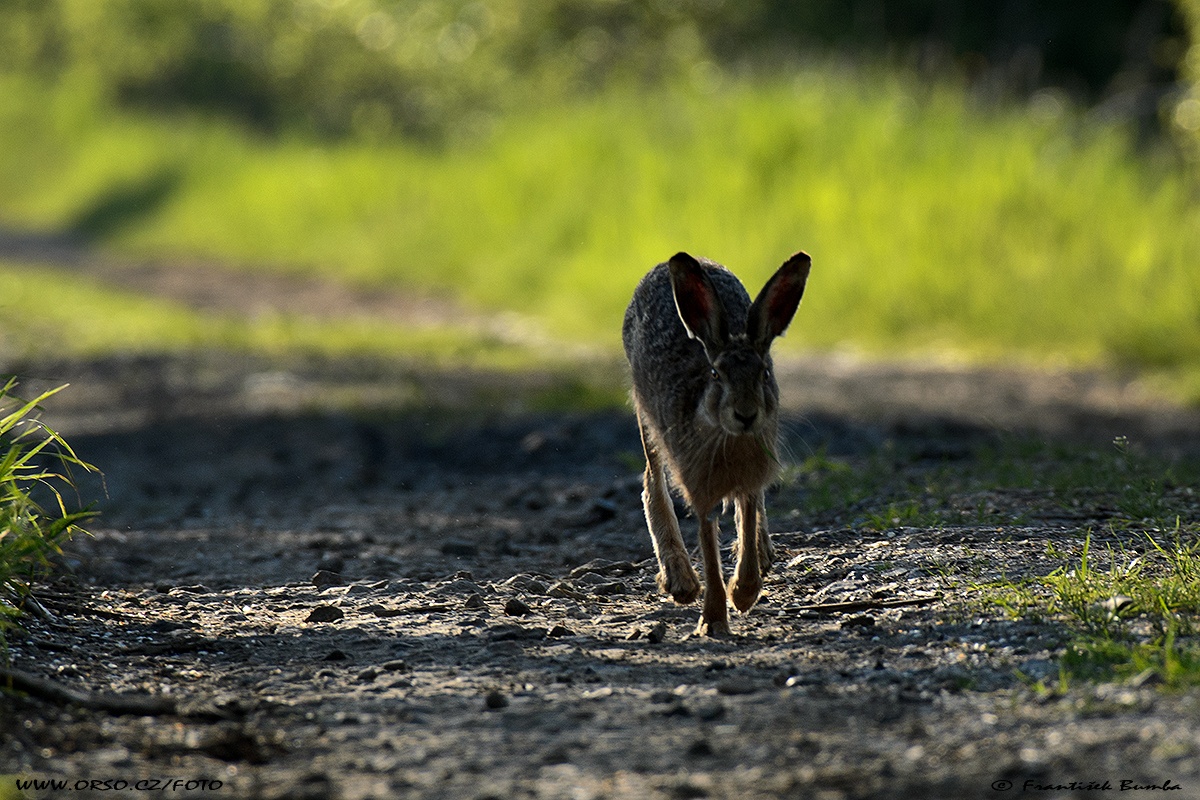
x: 352, y: 67
x: 439, y: 68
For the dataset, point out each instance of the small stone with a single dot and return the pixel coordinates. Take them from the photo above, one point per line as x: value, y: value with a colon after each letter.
x: 562, y: 589
x: 495, y: 700
x: 558, y: 631
x: 700, y: 749
x: 325, y: 614
x: 657, y: 633
x: 516, y: 607
x: 461, y: 586
x: 509, y: 633
x: 336, y: 655
x: 324, y: 578
x: 399, y: 665
x: 367, y: 675
x: 861, y: 621
x: 527, y: 584
x: 474, y: 602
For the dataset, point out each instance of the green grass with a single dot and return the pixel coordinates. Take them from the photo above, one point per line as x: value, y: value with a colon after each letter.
x: 1128, y: 606
x: 935, y: 224
x: 1000, y: 481
x: 1132, y: 611
x: 34, y: 460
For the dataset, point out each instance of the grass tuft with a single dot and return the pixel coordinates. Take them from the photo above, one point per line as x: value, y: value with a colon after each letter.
x: 35, y: 461
x: 1133, y: 611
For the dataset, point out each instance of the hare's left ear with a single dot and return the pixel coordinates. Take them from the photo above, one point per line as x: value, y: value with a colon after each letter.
x: 697, y: 303
x: 773, y: 309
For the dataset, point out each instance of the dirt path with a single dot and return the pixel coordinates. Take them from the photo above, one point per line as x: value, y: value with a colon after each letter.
x: 366, y: 581
x: 401, y: 603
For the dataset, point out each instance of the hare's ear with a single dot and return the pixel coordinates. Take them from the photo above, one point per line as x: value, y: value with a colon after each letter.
x: 776, y: 304
x: 697, y: 302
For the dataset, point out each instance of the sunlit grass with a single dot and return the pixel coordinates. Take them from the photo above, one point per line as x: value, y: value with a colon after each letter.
x: 935, y: 224
x: 1132, y: 610
x: 34, y: 460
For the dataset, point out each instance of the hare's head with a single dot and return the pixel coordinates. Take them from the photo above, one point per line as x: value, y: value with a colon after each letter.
x: 741, y: 396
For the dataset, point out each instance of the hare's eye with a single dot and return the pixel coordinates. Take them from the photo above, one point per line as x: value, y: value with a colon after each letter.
x: 712, y: 372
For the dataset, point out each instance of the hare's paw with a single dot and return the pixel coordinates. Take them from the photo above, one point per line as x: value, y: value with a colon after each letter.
x: 681, y: 582
x: 744, y: 593
x: 716, y: 628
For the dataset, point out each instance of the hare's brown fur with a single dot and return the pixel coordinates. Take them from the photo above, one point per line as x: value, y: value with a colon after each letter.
x: 707, y: 406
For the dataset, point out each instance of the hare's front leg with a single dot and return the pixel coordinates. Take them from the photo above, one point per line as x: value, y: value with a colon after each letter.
x: 676, y: 576
x: 754, y: 551
x: 714, y: 618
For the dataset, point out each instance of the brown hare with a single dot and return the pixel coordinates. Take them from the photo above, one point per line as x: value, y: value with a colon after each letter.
x: 707, y: 407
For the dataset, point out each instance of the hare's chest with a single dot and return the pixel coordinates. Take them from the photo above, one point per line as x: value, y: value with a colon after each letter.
x: 730, y: 466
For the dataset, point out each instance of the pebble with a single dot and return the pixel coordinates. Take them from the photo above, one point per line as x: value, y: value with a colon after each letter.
x: 562, y: 589
x: 461, y: 586
x: 527, y: 584
x: 494, y: 701
x: 516, y: 607
x: 325, y: 614
x: 367, y: 675
x: 475, y: 601
x: 504, y: 633
x: 324, y: 578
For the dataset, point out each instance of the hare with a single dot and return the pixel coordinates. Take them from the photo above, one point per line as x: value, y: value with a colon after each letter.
x: 707, y: 409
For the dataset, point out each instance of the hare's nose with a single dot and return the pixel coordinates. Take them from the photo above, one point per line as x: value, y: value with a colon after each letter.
x: 747, y: 420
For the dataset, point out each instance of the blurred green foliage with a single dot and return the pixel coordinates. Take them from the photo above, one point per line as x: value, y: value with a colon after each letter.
x: 337, y: 67
x: 440, y: 68
x: 581, y: 141
x: 1187, y: 113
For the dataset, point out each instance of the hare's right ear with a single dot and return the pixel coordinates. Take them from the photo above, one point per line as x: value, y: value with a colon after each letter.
x: 773, y: 309
x: 697, y: 303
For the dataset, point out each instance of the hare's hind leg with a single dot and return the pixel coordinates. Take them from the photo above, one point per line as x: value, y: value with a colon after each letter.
x: 676, y: 576
x: 754, y: 551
